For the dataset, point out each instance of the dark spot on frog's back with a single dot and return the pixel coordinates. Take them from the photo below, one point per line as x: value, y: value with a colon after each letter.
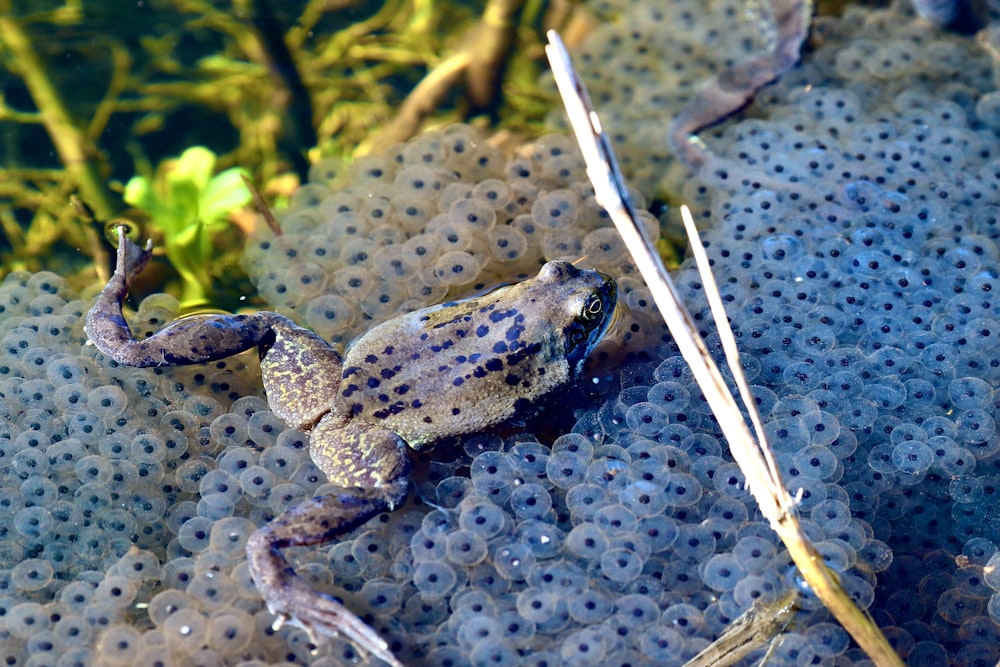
x: 371, y: 359
x: 501, y: 315
x: 514, y: 333
x: 482, y: 330
x: 393, y: 409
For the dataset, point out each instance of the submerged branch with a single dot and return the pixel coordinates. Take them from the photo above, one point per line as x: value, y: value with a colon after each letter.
x: 74, y: 148
x: 480, y: 63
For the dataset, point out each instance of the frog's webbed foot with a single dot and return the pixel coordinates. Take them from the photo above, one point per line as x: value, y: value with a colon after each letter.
x: 317, y: 520
x: 130, y: 260
x: 105, y: 322
x: 191, y: 340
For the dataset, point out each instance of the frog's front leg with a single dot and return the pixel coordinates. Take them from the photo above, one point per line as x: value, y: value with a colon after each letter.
x: 370, y: 468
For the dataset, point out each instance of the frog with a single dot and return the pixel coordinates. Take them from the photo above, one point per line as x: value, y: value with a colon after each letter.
x: 440, y: 372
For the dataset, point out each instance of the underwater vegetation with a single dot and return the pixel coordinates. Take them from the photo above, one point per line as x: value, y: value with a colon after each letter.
x: 850, y: 212
x: 187, y: 204
x: 260, y: 84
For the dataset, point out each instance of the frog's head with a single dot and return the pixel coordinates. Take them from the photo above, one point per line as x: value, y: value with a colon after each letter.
x: 586, y: 304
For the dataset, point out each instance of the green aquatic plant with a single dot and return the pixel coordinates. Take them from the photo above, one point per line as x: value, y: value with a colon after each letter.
x: 273, y: 85
x: 189, y: 205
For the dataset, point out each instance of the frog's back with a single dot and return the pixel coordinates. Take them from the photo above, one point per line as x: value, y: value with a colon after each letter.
x: 464, y: 366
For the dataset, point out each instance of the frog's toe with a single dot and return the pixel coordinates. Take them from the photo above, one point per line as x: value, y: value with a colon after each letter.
x: 314, y: 521
x: 131, y: 259
x: 321, y: 615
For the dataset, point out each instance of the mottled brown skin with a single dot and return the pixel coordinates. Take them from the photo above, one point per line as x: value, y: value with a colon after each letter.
x: 451, y: 369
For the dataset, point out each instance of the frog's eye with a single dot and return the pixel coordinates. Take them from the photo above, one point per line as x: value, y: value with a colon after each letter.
x: 593, y: 308
x: 589, y: 318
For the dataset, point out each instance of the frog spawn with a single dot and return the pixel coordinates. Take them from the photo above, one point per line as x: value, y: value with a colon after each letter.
x: 446, y: 216
x: 80, y: 448
x: 214, y: 460
x: 855, y: 175
x: 381, y: 553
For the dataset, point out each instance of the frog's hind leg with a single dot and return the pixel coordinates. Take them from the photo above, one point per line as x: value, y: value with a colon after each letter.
x: 315, y: 521
x: 368, y: 465
x: 301, y: 374
x: 289, y: 597
x: 190, y: 340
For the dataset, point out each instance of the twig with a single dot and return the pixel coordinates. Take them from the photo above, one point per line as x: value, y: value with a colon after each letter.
x: 121, y: 63
x: 755, y: 460
x: 418, y: 105
x: 490, y: 42
x: 262, y: 206
x: 12, y: 230
x: 298, y: 133
x: 336, y: 47
x: 755, y: 627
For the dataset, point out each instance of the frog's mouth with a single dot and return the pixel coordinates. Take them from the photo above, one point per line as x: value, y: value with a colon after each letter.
x: 616, y: 317
x: 612, y: 307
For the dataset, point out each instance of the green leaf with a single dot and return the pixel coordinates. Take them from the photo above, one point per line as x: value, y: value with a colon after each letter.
x: 139, y: 193
x: 187, y: 203
x: 225, y: 192
x: 184, y: 209
x: 195, y: 165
